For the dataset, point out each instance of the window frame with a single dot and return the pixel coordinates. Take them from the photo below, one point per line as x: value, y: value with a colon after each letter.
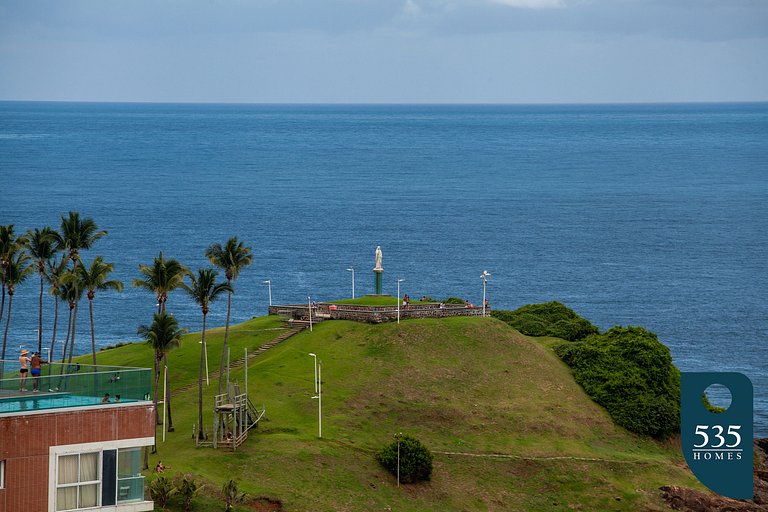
x: 79, y: 484
x: 2, y: 474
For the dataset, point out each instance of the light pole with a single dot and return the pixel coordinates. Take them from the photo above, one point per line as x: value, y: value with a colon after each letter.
x: 205, y: 349
x: 352, y: 269
x: 484, y: 277
x: 309, y: 308
x: 315, y: 356
x: 398, y: 436
x: 398, y: 299
x: 319, y: 397
x: 268, y: 282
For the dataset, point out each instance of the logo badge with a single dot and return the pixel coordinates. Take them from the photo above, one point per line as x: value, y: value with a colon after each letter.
x: 718, y: 446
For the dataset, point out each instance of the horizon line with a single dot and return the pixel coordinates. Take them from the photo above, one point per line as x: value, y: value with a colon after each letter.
x: 479, y: 104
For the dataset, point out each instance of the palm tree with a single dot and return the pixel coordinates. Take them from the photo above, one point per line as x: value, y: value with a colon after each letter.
x: 73, y: 293
x: 203, y: 291
x: 161, y: 278
x: 96, y: 278
x: 232, y: 258
x: 76, y: 234
x: 41, y: 248
x: 56, y: 275
x: 9, y: 244
x: 16, y: 272
x: 163, y: 335
x: 164, y: 276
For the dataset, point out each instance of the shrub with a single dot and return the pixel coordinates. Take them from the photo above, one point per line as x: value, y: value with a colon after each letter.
x: 161, y: 489
x: 187, y: 487
x: 454, y: 300
x: 547, y: 319
x: 628, y: 371
x: 231, y: 494
x: 415, y: 460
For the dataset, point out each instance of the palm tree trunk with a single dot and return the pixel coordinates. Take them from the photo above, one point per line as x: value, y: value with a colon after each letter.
x: 72, y: 338
x: 66, y: 339
x: 226, y: 337
x: 53, y: 338
x: 7, y: 324
x: 157, y: 395
x: 157, y: 379
x: 40, y: 320
x: 2, y: 302
x: 168, y: 394
x: 200, y: 434
x: 93, y: 332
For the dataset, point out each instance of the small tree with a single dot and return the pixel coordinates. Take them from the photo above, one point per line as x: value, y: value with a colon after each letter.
x: 161, y: 489
x: 231, y: 494
x: 415, y: 459
x: 187, y: 488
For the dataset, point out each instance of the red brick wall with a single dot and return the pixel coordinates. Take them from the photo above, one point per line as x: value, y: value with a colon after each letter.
x: 25, y: 440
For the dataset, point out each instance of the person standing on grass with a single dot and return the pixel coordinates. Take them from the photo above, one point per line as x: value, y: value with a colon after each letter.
x: 24, y: 369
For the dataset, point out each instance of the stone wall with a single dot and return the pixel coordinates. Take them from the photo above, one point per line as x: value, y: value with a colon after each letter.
x: 372, y: 314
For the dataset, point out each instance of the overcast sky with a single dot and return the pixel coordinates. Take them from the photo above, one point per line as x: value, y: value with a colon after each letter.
x: 384, y: 51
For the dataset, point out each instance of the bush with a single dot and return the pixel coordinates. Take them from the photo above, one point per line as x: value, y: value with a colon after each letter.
x: 161, y: 489
x: 454, y: 300
x: 187, y: 487
x: 628, y: 371
x: 547, y: 319
x: 415, y: 460
x: 232, y: 495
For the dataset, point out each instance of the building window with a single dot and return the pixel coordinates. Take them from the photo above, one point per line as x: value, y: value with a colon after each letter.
x: 2, y: 474
x: 78, y: 482
x: 130, y: 482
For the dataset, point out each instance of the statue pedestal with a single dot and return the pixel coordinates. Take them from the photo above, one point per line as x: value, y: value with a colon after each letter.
x: 377, y: 283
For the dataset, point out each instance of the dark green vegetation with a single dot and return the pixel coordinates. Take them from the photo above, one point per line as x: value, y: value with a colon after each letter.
x: 548, y: 319
x: 407, y: 459
x: 507, y: 424
x: 630, y: 373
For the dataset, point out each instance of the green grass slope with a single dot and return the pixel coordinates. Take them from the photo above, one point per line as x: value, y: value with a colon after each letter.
x: 509, y: 427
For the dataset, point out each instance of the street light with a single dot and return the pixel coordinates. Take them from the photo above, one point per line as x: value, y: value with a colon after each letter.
x: 484, y: 276
x: 398, y: 299
x: 309, y: 308
x: 315, y: 356
x: 319, y: 397
x: 352, y: 269
x: 268, y: 282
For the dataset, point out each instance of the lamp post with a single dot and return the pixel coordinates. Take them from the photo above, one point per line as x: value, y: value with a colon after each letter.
x: 352, y: 269
x: 319, y: 397
x: 484, y: 277
x: 398, y: 299
x: 268, y: 282
x: 309, y: 308
x: 315, y: 356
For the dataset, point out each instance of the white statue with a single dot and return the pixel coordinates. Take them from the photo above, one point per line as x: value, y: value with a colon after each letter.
x: 378, y: 258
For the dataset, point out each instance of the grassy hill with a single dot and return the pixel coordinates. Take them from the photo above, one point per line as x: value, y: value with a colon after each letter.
x: 509, y: 427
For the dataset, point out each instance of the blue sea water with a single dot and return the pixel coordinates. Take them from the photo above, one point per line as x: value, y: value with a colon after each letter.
x: 652, y: 215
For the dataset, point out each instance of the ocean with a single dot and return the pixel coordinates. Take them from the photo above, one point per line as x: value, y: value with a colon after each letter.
x: 651, y: 215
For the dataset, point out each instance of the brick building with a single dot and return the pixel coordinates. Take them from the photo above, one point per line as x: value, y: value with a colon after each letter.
x: 70, y: 445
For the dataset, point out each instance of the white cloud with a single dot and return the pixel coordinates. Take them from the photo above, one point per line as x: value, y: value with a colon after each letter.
x: 532, y: 4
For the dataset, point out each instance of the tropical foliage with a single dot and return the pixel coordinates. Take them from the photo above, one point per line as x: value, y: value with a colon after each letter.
x: 91, y: 279
x: 547, y: 319
x: 628, y: 371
